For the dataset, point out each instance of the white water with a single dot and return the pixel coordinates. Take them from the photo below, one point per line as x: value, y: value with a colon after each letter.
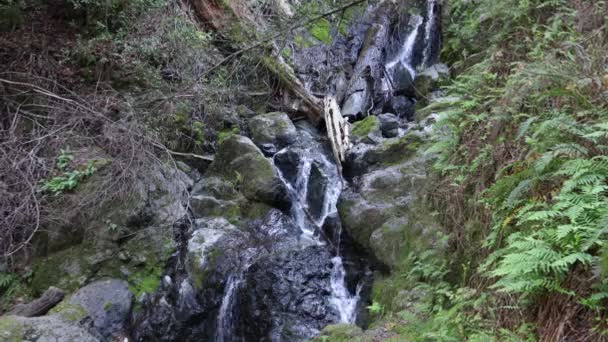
x: 341, y: 299
x: 404, y: 57
x: 428, y: 30
x: 224, y: 318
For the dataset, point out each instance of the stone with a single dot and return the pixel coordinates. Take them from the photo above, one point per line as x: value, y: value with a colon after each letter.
x: 240, y: 161
x: 43, y: 329
x: 108, y: 303
x: 430, y: 78
x: 401, y: 81
x: 366, y: 131
x: 341, y: 333
x: 272, y: 131
x: 403, y: 106
x: 389, y: 125
x: 286, y: 296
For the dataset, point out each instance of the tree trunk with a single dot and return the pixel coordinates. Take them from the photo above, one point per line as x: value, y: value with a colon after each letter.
x: 233, y: 20
x: 40, y: 306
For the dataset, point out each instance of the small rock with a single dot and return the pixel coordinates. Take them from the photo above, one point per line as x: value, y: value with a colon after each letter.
x: 170, y: 74
x: 124, y: 256
x: 403, y: 106
x: 389, y: 125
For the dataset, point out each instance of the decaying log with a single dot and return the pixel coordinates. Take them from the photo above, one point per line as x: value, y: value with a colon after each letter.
x: 337, y: 130
x: 228, y: 17
x: 40, y: 306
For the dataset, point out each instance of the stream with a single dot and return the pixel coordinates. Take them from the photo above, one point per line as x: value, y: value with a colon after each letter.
x: 284, y: 271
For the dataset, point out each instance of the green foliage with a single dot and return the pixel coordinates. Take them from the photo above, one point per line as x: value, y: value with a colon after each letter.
x: 11, y: 287
x: 321, y: 30
x: 68, y: 179
x: 525, y: 142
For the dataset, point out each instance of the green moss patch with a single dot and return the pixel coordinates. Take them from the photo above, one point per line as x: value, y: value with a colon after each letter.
x: 366, y: 126
x: 11, y: 330
x: 321, y: 30
x: 69, y: 312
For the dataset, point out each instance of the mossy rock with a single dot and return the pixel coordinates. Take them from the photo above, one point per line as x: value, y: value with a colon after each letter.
x: 67, y: 269
x: 362, y: 129
x: 341, y: 333
x: 242, y: 163
x: 11, y: 329
x: 361, y: 218
x: 45, y: 328
x: 70, y: 312
x: 396, y: 150
x: 274, y: 129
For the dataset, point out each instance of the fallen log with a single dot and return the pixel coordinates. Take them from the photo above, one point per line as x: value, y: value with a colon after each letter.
x: 40, y: 306
x: 235, y: 21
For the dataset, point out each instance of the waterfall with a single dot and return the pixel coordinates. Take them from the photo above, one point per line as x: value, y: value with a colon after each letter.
x: 428, y: 30
x: 404, y: 57
x: 344, y: 303
x: 224, y: 318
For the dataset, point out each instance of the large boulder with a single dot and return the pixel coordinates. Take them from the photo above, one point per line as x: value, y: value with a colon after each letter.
x: 127, y: 239
x: 381, y: 208
x: 108, y: 303
x: 240, y: 161
x: 273, y: 131
x: 43, y: 329
x: 286, y: 296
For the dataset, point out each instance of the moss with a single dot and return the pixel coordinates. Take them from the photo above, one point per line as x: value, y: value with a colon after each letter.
x: 199, y: 275
x: 67, y: 269
x: 11, y: 330
x: 366, y: 126
x: 321, y: 30
x: 69, y: 312
x: 226, y: 133
x: 302, y: 42
x: 340, y: 333
x: 107, y: 306
x: 145, y: 281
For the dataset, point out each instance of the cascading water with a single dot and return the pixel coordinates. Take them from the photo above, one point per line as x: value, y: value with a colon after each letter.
x: 404, y: 57
x: 224, y: 318
x: 341, y: 299
x: 428, y: 31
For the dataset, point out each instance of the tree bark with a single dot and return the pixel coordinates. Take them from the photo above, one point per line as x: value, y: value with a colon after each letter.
x: 229, y: 16
x: 40, y: 306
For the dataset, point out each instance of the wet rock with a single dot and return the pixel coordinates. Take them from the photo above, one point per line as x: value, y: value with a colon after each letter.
x: 241, y: 162
x: 403, y: 106
x: 389, y: 125
x: 273, y: 131
x: 401, y: 81
x: 286, y: 296
x: 108, y: 303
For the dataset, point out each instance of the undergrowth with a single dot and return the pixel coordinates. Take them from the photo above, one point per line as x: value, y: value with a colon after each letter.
x: 522, y: 175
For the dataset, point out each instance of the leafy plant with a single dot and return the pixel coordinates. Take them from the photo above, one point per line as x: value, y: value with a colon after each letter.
x: 68, y: 179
